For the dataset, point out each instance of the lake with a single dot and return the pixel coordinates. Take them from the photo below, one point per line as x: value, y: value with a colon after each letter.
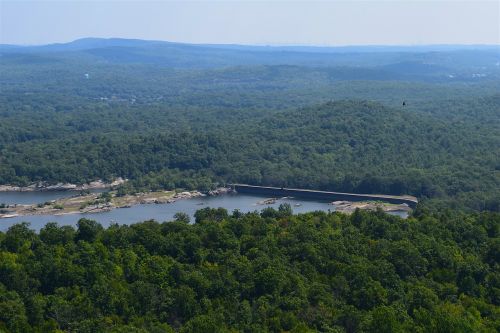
x: 159, y: 212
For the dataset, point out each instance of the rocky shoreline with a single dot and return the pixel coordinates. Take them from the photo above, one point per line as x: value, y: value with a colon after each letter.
x: 100, y: 202
x: 348, y: 207
x: 43, y: 186
x: 106, y: 201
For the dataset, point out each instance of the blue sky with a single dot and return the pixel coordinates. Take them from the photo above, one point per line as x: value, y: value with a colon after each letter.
x: 255, y: 22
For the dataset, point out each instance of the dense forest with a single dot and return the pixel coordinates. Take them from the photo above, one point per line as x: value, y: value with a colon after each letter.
x: 353, y: 146
x: 422, y: 121
x: 168, y: 115
x: 267, y: 272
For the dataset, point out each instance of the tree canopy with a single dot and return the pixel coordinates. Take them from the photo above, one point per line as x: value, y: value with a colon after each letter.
x: 268, y: 272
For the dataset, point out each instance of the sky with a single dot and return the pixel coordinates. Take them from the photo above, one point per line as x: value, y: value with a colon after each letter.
x: 323, y: 23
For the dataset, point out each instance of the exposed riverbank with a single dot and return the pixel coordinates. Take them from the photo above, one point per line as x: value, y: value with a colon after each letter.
x: 107, y: 201
x: 348, y: 207
x: 94, y: 203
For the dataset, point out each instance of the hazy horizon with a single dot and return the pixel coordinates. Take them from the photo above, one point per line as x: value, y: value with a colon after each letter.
x: 273, y: 23
x: 262, y: 45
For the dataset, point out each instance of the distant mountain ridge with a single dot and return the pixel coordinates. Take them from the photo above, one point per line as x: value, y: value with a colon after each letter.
x: 94, y: 42
x: 428, y: 63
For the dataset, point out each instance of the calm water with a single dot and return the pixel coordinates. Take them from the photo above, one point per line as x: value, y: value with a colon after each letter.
x: 161, y: 212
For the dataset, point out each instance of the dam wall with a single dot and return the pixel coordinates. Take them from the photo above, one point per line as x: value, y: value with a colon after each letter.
x: 322, y: 195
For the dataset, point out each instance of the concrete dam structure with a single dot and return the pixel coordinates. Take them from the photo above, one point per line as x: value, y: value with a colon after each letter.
x: 323, y: 195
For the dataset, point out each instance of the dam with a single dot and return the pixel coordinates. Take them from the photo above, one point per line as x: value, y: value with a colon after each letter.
x: 323, y: 195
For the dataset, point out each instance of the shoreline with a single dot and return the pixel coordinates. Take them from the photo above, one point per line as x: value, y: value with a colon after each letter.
x: 107, y: 201
x: 348, y: 207
x: 95, y: 203
x: 325, y: 195
x: 101, y: 202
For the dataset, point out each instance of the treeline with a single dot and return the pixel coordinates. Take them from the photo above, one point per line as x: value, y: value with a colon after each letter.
x: 352, y: 146
x: 267, y: 272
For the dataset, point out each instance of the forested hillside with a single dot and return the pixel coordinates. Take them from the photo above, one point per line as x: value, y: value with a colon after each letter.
x: 99, y: 109
x: 268, y: 272
x: 154, y: 186
x: 352, y: 146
